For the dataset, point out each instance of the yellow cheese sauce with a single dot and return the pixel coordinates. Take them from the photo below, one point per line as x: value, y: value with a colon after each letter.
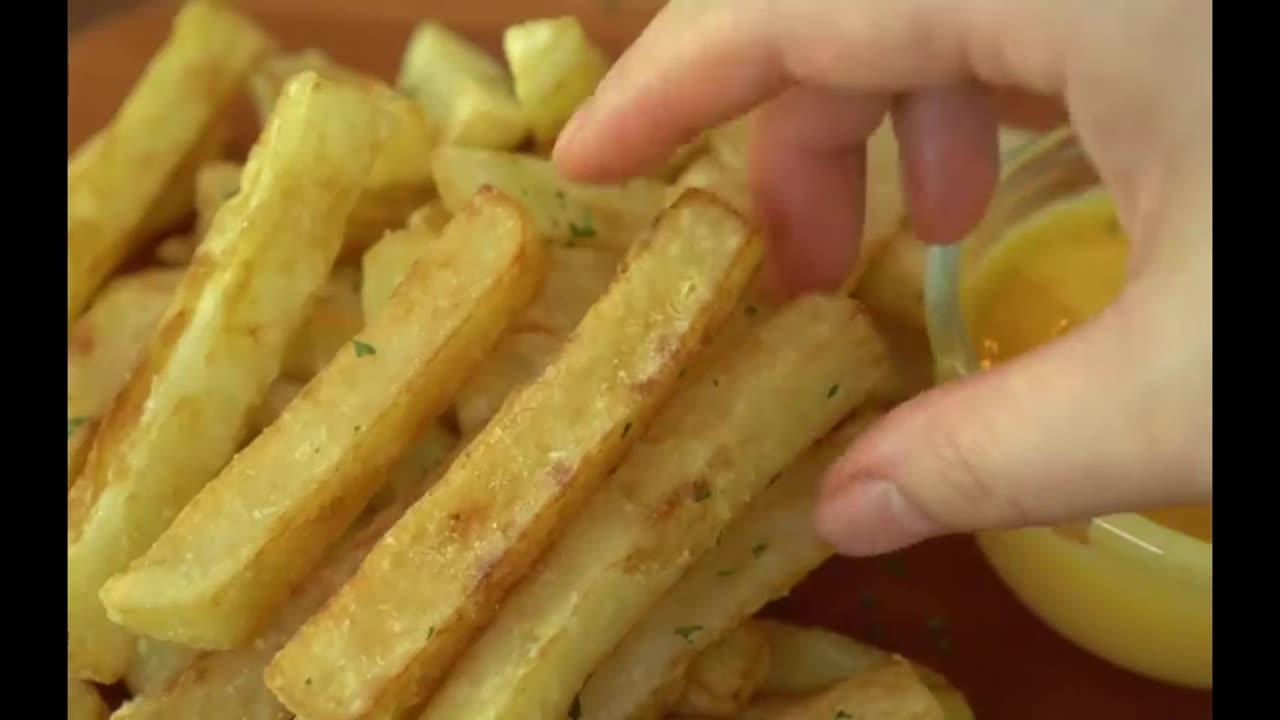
x: 1051, y: 272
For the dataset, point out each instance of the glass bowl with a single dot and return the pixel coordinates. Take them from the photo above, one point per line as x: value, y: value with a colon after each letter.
x: 1124, y: 587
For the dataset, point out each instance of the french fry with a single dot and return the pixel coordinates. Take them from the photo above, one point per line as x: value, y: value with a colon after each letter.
x: 386, y: 263
x: 710, y: 450
x: 576, y: 278
x: 555, y: 67
x: 767, y: 550
x: 434, y: 215
x: 465, y: 91
x: 177, y: 199
x: 709, y: 173
x: 721, y: 679
x: 234, y: 554
x: 893, y: 283
x: 400, y: 181
x: 809, y: 660
x: 104, y: 345
x: 583, y: 214
x: 886, y: 204
x: 155, y: 665
x: 378, y: 648
x: 910, y: 364
x: 334, y: 318
x: 891, y: 691
x: 84, y: 702
x: 173, y: 107
x: 517, y: 361
x: 228, y: 685
x: 215, y: 184
x: 186, y: 406
x: 279, y: 395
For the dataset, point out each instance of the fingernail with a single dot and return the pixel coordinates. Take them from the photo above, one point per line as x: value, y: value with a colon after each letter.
x: 870, y: 516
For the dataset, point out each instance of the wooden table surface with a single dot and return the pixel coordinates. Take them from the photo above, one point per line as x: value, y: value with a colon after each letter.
x: 1011, y: 666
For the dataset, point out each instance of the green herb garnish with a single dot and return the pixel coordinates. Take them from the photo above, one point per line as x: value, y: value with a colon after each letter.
x: 842, y: 715
x: 626, y: 429
x: 585, y: 230
x: 73, y: 424
x: 363, y: 348
x: 431, y: 632
x: 752, y: 310
x: 831, y: 392
x: 688, y: 631
x: 726, y: 573
x: 575, y: 710
x: 759, y: 549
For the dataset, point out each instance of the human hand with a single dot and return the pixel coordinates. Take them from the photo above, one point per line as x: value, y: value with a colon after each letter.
x: 1114, y: 416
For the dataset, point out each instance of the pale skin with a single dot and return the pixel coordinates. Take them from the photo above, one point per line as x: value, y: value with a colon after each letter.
x: 1115, y: 416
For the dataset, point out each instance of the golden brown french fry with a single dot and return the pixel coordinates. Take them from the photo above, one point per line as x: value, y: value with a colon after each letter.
x: 812, y: 659
x: 155, y: 665
x: 84, y: 702
x: 434, y: 215
x: 380, y: 646
x: 767, y: 550
x: 228, y: 685
x: 104, y: 345
x: 886, y: 208
x: 216, y: 350
x: 465, y: 91
x: 709, y: 173
x: 234, y: 554
x: 576, y: 278
x: 518, y: 360
x: 722, y: 679
x: 216, y: 183
x: 279, y: 395
x: 713, y: 447
x: 334, y: 318
x: 600, y: 215
x: 172, y: 108
x: 893, y: 284
x: 910, y: 364
x: 386, y: 263
x: 400, y: 181
x: 555, y: 67
x: 809, y: 660
x: 891, y: 691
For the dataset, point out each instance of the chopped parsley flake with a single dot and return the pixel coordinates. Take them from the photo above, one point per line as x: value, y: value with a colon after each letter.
x: 842, y: 715
x: 431, y: 632
x: 626, y: 428
x: 73, y: 424
x: 831, y: 392
x: 701, y: 492
x: 363, y: 348
x: 752, y: 310
x: 688, y: 631
x: 575, y: 710
x: 727, y: 573
x: 759, y: 549
x: 585, y: 230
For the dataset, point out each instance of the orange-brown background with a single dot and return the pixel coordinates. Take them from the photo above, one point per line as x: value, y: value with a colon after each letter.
x: 938, y: 603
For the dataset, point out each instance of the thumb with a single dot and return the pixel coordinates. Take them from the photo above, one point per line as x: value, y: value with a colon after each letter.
x: 1094, y: 423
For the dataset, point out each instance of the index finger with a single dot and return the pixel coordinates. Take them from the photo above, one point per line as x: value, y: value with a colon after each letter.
x: 702, y: 62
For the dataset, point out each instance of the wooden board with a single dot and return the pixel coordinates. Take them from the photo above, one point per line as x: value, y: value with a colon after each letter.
x: 1010, y: 665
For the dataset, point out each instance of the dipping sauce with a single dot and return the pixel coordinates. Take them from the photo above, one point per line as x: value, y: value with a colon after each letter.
x: 1056, y: 269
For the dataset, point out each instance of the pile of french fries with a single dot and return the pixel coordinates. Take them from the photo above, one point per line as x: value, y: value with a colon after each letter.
x: 405, y: 425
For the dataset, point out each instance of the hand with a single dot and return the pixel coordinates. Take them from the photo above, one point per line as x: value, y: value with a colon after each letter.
x: 1115, y: 416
